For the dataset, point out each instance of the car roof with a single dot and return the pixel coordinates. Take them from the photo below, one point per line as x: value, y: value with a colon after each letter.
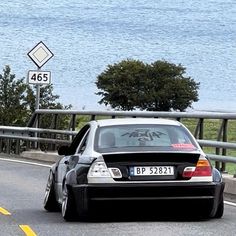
x: 133, y: 121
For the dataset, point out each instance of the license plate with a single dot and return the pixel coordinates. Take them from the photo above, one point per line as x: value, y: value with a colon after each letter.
x: 151, y: 170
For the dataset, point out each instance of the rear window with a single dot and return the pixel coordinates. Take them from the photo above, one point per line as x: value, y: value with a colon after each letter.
x: 143, y: 137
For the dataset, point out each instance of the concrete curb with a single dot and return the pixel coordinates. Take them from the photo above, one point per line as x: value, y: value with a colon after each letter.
x: 50, y: 157
x: 230, y: 187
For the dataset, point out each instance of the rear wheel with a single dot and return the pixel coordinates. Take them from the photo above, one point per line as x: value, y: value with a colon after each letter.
x: 74, y: 210
x: 50, y: 203
x: 68, y: 205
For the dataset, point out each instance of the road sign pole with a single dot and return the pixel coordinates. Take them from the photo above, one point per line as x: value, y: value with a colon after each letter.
x: 37, y: 101
x: 37, y: 96
x: 37, y: 117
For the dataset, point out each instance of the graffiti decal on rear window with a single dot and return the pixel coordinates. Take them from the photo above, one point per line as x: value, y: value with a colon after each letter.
x: 144, y: 134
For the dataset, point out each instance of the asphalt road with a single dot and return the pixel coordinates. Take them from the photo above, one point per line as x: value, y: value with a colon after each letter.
x: 21, y: 195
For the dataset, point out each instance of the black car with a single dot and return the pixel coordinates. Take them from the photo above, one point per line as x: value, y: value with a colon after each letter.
x: 133, y: 160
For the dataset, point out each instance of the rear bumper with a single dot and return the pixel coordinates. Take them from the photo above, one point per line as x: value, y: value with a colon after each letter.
x: 150, y: 191
x: 191, y: 193
x: 153, y: 191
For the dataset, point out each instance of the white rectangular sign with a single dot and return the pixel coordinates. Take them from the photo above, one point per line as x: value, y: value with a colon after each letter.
x: 39, y: 77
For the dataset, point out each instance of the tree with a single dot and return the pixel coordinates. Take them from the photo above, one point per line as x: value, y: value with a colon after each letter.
x: 159, y: 86
x: 17, y: 100
x: 48, y: 100
x: 13, y: 102
x: 121, y: 84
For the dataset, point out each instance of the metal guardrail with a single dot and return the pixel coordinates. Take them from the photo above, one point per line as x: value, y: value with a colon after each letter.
x: 218, y: 144
x: 226, y: 159
x: 29, y: 137
x: 21, y: 133
x: 18, y: 139
x: 206, y: 115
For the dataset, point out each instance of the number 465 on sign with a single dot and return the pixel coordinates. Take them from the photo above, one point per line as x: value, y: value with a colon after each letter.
x: 39, y: 77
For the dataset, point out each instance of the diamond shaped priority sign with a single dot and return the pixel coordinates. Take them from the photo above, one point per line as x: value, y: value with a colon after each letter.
x: 40, y: 54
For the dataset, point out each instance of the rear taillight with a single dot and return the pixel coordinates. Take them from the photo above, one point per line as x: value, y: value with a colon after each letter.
x: 203, y: 168
x: 98, y: 169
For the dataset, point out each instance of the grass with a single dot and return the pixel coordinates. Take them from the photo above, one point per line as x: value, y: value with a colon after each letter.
x: 211, y: 128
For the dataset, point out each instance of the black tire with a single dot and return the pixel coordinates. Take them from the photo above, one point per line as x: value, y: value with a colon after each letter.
x: 220, y: 209
x: 68, y: 208
x: 50, y: 203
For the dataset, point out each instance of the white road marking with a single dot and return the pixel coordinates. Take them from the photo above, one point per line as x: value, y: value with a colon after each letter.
x: 25, y: 162
x: 230, y: 203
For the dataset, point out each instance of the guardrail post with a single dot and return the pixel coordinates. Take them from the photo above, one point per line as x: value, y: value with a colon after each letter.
x: 198, y: 133
x: 53, y: 125
x: 55, y: 120
x: 8, y: 143
x: 73, y: 122
x: 201, y: 131
x: 37, y: 125
x: 93, y: 117
x: 27, y: 145
x: 32, y: 120
x: 222, y: 133
x: 224, y: 150
x: 217, y: 163
x: 1, y: 145
x: 17, y: 147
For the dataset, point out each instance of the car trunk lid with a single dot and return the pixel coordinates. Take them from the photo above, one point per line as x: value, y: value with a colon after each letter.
x: 151, y: 166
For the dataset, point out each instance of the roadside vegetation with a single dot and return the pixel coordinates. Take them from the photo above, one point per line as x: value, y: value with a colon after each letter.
x: 159, y: 86
x: 17, y: 100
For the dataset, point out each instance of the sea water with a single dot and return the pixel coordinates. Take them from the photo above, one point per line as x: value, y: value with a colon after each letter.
x: 86, y: 36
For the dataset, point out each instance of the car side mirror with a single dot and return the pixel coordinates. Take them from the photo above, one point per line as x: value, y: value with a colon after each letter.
x: 64, y: 151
